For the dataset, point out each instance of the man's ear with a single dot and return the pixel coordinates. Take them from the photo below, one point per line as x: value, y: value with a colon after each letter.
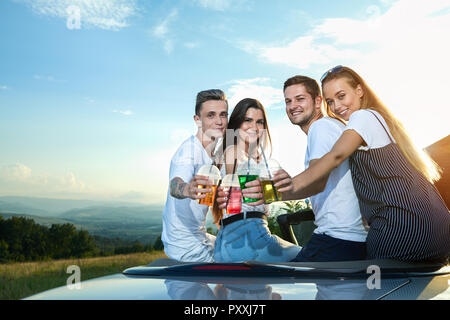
x: 318, y: 101
x: 198, y: 121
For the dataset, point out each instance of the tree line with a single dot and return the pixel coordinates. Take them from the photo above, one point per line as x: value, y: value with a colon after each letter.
x: 22, y: 239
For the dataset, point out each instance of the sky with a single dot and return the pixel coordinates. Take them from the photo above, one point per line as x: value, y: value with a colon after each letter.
x: 97, y: 95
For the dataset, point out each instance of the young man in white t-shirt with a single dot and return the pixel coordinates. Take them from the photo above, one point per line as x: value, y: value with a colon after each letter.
x: 340, y: 234
x: 184, y: 232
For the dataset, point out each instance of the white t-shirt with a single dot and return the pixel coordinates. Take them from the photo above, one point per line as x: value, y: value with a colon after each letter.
x: 184, y: 220
x: 369, y: 128
x: 336, y: 209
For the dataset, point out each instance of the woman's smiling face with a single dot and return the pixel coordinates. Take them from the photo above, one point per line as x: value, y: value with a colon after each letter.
x: 252, y: 127
x: 342, y: 98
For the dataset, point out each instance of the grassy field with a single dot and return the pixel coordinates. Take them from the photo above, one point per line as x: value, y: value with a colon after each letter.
x: 20, y: 280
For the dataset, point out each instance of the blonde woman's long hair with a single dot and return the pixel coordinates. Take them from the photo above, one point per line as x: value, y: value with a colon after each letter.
x: 420, y: 160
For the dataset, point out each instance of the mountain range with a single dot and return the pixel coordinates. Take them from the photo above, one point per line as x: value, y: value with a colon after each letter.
x: 51, y: 207
x: 129, y: 221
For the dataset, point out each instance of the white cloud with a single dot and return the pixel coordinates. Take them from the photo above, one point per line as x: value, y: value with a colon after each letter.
x: 191, y: 45
x: 225, y: 5
x: 3, y: 87
x: 89, y: 100
x: 15, y: 172
x: 256, y: 88
x: 48, y: 78
x: 71, y: 183
x: 41, y: 77
x: 104, y: 14
x: 342, y: 38
x: 124, y: 112
x: 162, y: 31
x: 302, y: 52
x: 218, y: 5
x: 399, y: 48
x: 20, y: 179
x: 169, y: 45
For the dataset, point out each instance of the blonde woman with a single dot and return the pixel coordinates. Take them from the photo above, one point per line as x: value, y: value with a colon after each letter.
x: 392, y: 178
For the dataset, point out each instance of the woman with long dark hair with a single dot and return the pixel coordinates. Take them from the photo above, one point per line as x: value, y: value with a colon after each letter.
x: 245, y: 236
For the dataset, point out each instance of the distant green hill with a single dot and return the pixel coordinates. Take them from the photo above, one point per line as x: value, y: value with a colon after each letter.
x: 40, y: 220
x: 140, y: 223
x: 123, y: 215
x: 16, y: 207
x: 111, y: 220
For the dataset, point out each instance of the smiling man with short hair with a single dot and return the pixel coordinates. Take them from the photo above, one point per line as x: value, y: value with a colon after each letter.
x: 184, y: 220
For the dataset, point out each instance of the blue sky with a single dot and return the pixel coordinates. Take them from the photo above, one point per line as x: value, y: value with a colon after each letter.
x: 97, y: 112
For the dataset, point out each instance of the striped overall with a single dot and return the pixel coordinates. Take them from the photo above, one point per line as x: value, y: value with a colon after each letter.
x: 407, y: 217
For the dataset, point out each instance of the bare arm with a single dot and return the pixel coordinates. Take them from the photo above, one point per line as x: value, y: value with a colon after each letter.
x: 182, y: 190
x: 306, y: 192
x: 313, y: 180
x: 177, y: 188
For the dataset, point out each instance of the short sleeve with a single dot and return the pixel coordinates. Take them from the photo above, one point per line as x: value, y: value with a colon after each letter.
x: 322, y: 135
x: 185, y: 170
x: 374, y: 133
x: 183, y: 163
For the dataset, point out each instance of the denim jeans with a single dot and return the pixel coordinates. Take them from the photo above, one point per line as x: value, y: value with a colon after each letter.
x: 250, y: 239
